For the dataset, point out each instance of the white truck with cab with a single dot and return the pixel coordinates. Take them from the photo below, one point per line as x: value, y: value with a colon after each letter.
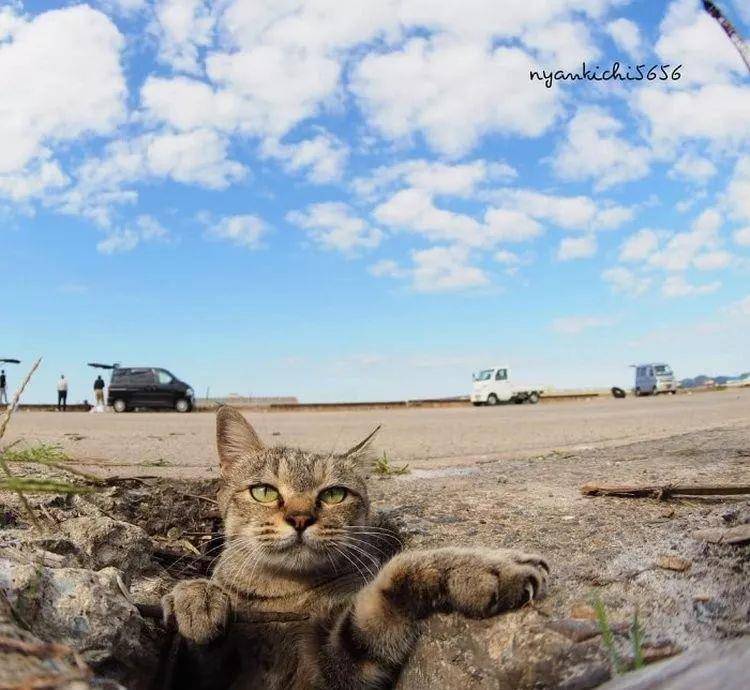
x: 493, y: 386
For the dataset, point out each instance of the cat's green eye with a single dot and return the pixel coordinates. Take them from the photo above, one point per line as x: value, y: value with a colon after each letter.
x: 334, y: 495
x: 264, y: 493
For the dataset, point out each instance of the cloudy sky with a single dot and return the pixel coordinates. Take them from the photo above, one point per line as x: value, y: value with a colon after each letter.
x: 369, y: 200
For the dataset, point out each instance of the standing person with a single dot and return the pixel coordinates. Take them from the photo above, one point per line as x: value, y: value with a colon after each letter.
x: 3, y: 392
x: 99, y: 392
x: 62, y: 393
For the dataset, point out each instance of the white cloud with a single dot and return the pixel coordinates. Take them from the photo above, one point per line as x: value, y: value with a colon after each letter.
x: 713, y: 261
x: 333, y: 225
x: 718, y: 115
x: 573, y: 325
x: 444, y: 269
x: 639, y: 246
x: 386, y: 268
x: 10, y: 21
x: 562, y: 44
x: 568, y: 212
x: 437, y: 269
x: 60, y: 78
x: 242, y: 230
x: 681, y: 250
x: 739, y: 308
x: 623, y: 280
x: 677, y: 286
x: 577, y: 248
x: 198, y: 157
x: 145, y: 228
x: 694, y: 168
x: 436, y: 177
x: 742, y: 237
x: 36, y: 180
x: 738, y: 191
x: 505, y: 225
x: 593, y: 149
x: 183, y: 28
x: 452, y: 93
x: 627, y: 36
x: 322, y: 158
x: 505, y: 257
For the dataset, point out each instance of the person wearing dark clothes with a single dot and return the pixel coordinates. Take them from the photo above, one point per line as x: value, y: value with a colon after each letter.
x: 3, y: 392
x: 99, y: 391
x: 62, y: 393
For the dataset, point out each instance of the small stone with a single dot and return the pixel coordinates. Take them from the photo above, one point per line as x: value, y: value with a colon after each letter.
x: 673, y: 563
x: 582, y: 611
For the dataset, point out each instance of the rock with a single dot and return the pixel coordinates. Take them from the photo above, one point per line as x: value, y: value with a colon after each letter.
x: 731, y: 535
x: 673, y: 563
x: 101, y: 542
x: 81, y: 609
x: 517, y: 651
x: 708, y: 666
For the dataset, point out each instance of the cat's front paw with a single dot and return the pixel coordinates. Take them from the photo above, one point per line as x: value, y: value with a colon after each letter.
x: 199, y: 609
x: 485, y: 583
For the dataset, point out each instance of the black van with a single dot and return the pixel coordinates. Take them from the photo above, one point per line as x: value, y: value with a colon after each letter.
x: 132, y: 387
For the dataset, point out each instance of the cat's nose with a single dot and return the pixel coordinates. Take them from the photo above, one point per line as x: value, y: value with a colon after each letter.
x: 300, y: 521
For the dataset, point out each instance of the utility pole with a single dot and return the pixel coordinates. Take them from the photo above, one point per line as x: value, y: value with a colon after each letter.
x: 729, y: 30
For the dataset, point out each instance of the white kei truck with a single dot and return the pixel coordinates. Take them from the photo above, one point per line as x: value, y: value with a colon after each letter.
x: 493, y: 386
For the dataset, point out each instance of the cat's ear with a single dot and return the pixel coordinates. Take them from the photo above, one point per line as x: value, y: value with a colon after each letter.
x: 363, y: 446
x: 235, y: 438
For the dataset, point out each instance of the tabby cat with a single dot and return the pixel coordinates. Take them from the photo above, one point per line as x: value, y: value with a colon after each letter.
x: 310, y: 591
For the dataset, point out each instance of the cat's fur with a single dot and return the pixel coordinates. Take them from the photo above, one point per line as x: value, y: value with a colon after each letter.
x: 358, y: 603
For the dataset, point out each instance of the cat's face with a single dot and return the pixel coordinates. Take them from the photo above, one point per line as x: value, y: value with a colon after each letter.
x: 292, y: 510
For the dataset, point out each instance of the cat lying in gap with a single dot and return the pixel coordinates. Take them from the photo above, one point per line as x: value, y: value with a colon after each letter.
x: 311, y: 590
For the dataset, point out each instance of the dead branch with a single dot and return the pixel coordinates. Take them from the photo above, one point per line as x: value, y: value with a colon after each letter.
x: 662, y: 492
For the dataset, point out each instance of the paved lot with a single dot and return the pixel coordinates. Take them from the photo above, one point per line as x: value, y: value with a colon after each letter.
x: 172, y: 444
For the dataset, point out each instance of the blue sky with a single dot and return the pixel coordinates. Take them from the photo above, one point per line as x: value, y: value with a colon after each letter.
x: 370, y: 200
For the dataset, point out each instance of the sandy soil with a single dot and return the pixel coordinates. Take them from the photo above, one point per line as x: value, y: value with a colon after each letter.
x: 508, y: 478
x: 167, y: 444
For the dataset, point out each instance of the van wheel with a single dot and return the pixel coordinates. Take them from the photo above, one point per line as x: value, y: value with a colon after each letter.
x: 182, y: 405
x: 673, y: 392
x: 533, y: 397
x: 119, y: 405
x: 492, y: 399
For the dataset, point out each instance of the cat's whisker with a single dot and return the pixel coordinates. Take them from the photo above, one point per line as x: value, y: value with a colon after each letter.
x: 356, y: 549
x: 343, y: 553
x: 353, y: 540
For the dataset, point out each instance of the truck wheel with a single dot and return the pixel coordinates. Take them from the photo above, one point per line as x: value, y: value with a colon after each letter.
x: 533, y: 397
x: 637, y: 392
x: 119, y: 405
x: 492, y: 399
x: 182, y: 405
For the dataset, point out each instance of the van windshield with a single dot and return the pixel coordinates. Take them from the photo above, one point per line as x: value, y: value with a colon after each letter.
x: 662, y: 370
x: 484, y: 375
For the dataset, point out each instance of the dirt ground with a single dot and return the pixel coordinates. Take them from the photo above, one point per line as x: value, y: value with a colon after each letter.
x: 504, y: 478
x: 170, y: 444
